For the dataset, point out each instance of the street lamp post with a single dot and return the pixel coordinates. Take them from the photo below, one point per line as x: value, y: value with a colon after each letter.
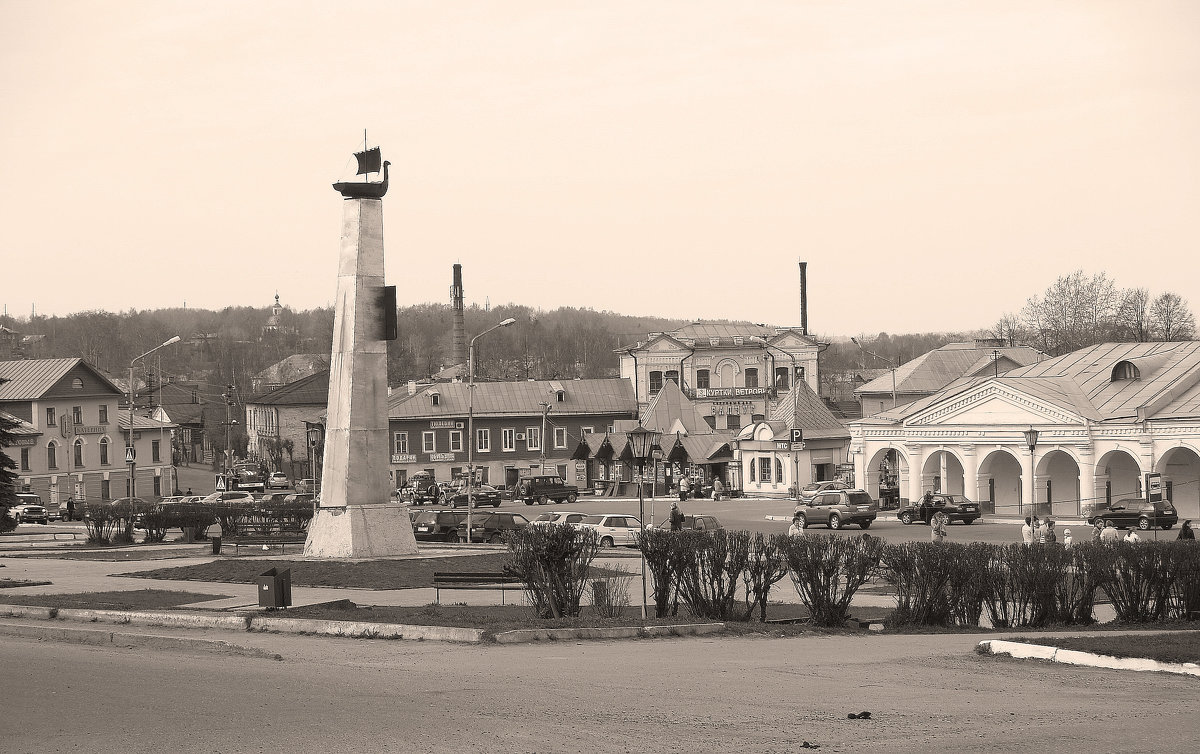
x: 641, y: 442
x: 471, y: 419
x: 129, y: 452
x: 1031, y: 438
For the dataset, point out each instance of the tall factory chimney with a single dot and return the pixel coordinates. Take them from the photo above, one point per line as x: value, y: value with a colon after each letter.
x: 804, y: 297
x: 460, y: 323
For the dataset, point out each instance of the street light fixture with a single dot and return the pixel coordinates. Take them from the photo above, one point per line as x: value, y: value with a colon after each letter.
x: 1031, y: 438
x: 642, y: 441
x: 129, y: 452
x: 471, y: 418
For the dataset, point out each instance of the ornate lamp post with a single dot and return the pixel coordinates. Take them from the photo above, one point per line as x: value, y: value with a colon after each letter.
x: 1031, y: 438
x: 471, y: 419
x: 641, y: 443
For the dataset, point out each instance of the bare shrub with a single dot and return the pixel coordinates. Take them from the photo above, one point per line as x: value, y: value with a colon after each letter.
x: 827, y: 571
x: 659, y: 548
x: 1185, y: 602
x: 553, y: 562
x: 766, y: 565
x: 1139, y: 580
x: 709, y: 566
x: 101, y: 522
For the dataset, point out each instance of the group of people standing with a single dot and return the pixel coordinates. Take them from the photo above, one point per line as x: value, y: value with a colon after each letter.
x: 1042, y: 532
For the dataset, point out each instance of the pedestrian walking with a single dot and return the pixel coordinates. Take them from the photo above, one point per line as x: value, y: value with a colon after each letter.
x: 70, y: 509
x: 685, y: 486
x: 1067, y: 538
x: 1185, y: 531
x: 718, y: 489
x: 1097, y: 529
x: 1110, y: 533
x: 1132, y: 537
x: 1027, y: 531
x: 796, y: 530
x: 676, y: 517
x: 939, y: 522
x: 214, y: 533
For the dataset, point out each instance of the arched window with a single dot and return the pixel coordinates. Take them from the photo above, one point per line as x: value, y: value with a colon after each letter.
x: 753, y: 470
x: 435, y: 399
x: 78, y: 449
x: 52, y: 455
x: 103, y: 451
x: 1125, y: 370
x: 778, y: 470
x: 77, y: 384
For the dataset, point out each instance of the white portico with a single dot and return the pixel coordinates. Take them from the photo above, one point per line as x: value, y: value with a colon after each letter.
x: 1106, y: 416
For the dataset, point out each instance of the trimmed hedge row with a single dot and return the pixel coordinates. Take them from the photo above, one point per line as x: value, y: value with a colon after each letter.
x: 108, y: 522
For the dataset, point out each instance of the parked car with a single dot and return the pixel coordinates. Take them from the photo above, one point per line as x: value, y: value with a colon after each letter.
x: 809, y: 491
x: 835, y: 508
x: 699, y: 523
x: 422, y: 488
x: 437, y: 525
x: 229, y: 497
x: 545, y: 489
x: 278, y: 481
x: 614, y: 528
x: 559, y: 517
x: 484, y: 495
x: 29, y: 509
x: 957, y: 507
x: 1136, y: 512
x: 491, y: 527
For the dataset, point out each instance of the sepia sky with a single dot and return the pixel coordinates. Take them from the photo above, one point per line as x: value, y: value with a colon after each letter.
x: 935, y: 163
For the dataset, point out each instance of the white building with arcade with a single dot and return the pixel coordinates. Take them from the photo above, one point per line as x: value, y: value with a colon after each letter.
x: 1106, y: 416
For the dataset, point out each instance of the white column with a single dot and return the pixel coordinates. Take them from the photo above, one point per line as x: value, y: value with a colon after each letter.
x: 1027, y: 483
x: 916, y: 467
x: 970, y: 472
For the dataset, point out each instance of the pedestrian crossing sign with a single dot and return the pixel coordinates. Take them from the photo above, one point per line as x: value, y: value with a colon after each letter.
x: 221, y: 483
x: 130, y: 455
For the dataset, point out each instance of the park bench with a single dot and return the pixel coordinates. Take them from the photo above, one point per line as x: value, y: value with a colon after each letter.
x: 474, y: 580
x: 254, y: 536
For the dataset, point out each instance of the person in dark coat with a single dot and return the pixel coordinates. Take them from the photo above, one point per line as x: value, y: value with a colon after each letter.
x: 676, y: 517
x: 70, y: 509
x: 1185, y: 531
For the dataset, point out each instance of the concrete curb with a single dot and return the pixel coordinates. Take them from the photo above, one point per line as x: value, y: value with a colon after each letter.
x: 622, y: 632
x: 1022, y: 651
x: 361, y: 630
x: 99, y: 637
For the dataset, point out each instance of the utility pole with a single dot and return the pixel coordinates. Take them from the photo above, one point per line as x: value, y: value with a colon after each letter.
x: 542, y: 443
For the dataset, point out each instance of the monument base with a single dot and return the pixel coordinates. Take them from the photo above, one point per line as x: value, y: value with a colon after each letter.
x: 360, y: 531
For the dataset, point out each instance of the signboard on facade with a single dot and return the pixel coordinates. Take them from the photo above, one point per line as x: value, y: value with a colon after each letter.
x: 1154, y: 493
x: 441, y: 456
x: 844, y: 468
x: 797, y: 435
x: 732, y: 407
x: 797, y: 446
x: 441, y: 424
x: 23, y: 441
x: 404, y: 457
x: 89, y: 429
x: 783, y: 445
x: 728, y: 392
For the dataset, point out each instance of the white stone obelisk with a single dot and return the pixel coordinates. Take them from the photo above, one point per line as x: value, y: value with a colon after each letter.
x: 355, y: 518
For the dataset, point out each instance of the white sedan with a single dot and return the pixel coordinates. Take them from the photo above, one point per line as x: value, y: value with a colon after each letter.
x: 613, y: 528
x: 278, y: 481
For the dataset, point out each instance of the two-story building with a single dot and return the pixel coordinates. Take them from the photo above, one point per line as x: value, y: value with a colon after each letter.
x: 520, y: 428
x: 278, y: 420
x: 737, y: 373
x: 73, y: 435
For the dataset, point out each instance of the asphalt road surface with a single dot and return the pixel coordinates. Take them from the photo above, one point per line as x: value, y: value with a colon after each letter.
x: 927, y: 693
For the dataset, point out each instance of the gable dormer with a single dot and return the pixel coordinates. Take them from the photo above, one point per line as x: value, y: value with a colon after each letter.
x: 435, y: 398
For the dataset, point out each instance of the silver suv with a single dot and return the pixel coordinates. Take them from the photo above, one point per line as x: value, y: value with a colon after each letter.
x: 836, y: 508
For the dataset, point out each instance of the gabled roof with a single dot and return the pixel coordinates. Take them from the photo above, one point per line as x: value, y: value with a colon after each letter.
x: 701, y: 333
x: 670, y: 405
x: 934, y: 370
x: 312, y: 390
x: 293, y: 367
x: 804, y: 409
x: 30, y: 379
x: 580, y: 397
x: 1082, y: 382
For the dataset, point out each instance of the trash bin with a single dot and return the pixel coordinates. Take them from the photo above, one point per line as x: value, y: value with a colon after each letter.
x: 275, y: 588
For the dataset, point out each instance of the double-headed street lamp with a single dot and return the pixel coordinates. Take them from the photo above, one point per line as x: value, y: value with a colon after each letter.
x: 642, y: 441
x: 471, y: 418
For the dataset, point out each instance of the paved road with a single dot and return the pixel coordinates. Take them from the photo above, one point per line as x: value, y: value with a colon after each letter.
x: 926, y: 694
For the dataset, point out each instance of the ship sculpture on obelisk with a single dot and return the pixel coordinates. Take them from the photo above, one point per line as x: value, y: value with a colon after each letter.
x: 355, y: 517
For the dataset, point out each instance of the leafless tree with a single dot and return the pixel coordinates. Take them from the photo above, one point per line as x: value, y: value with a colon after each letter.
x: 1076, y: 311
x: 1010, y: 329
x: 1171, y: 319
x: 1134, y: 316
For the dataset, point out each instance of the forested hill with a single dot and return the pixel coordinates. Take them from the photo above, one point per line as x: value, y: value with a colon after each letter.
x: 231, y: 345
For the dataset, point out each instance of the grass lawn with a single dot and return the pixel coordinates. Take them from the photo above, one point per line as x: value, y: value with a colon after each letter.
x: 142, y: 599
x: 86, y: 552
x: 1183, y: 646
x: 368, y: 574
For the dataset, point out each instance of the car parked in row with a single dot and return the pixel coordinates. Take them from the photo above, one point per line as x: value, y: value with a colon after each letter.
x: 835, y: 508
x: 546, y: 489
x: 698, y: 523
x: 559, y: 517
x: 957, y: 507
x: 809, y: 491
x: 613, y: 528
x: 1130, y: 512
x: 278, y: 481
x: 484, y: 495
x: 491, y: 527
x: 437, y: 525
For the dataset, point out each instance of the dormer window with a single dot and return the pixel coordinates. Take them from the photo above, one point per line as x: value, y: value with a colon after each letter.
x: 435, y: 399
x: 560, y: 396
x: 1125, y: 370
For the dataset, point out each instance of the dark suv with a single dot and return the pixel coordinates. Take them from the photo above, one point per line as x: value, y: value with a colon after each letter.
x: 957, y: 507
x: 437, y: 526
x: 491, y: 527
x: 1136, y: 512
x: 544, y: 489
x: 836, y: 508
